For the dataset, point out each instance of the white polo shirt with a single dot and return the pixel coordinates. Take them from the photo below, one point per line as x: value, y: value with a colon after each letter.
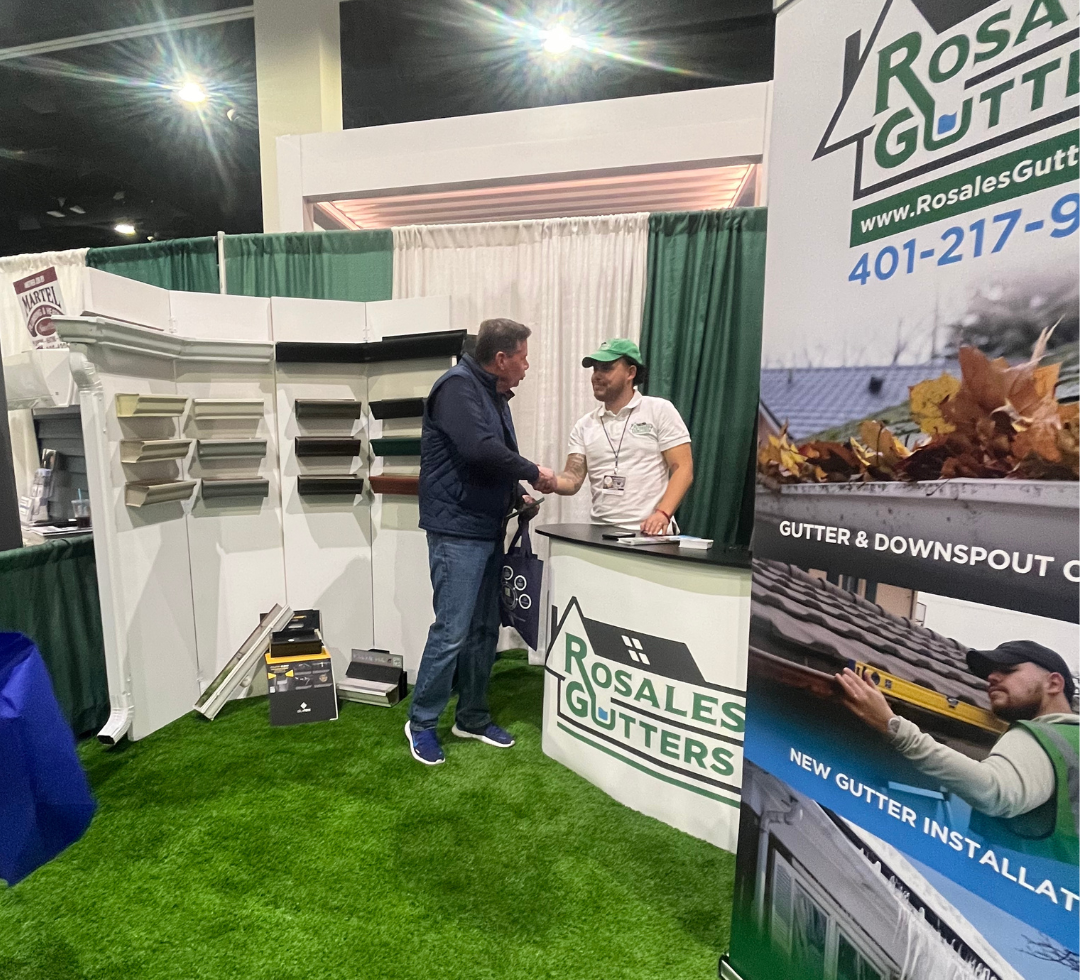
x: 646, y: 428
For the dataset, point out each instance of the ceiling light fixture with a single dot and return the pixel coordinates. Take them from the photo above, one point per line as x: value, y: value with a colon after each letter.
x: 124, y: 228
x: 76, y: 209
x: 557, y: 40
x: 56, y: 214
x: 192, y: 93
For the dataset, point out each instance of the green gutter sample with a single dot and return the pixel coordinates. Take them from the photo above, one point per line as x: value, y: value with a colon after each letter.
x: 395, y: 447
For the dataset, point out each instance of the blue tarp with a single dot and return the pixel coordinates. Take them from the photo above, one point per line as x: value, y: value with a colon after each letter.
x: 45, y: 801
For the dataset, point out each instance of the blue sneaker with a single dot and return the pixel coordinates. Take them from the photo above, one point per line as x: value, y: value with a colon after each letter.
x: 491, y: 734
x: 424, y: 745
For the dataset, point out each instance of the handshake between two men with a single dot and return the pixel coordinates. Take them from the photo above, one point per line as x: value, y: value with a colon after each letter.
x: 633, y: 448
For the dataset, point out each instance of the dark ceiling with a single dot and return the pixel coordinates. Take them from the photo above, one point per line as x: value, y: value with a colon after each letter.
x: 99, y: 128
x: 418, y: 59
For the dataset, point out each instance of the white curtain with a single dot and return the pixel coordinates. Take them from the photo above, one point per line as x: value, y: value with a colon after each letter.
x: 574, y: 281
x: 14, y: 337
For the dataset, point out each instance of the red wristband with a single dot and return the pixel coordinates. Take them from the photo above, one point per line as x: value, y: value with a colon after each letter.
x: 665, y: 513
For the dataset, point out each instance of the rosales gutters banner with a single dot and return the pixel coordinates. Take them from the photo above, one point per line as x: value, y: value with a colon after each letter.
x: 917, y: 500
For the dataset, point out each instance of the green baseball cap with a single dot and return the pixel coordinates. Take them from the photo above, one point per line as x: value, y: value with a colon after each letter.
x: 612, y: 350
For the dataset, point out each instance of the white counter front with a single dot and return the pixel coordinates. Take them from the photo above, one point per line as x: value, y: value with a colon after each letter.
x: 645, y: 684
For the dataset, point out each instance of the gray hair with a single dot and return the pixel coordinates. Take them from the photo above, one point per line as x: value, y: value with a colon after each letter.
x: 498, y: 335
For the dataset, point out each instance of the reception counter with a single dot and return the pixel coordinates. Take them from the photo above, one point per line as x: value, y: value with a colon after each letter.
x: 645, y: 680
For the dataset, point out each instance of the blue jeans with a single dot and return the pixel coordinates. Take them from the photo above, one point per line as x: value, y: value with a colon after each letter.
x: 465, y: 579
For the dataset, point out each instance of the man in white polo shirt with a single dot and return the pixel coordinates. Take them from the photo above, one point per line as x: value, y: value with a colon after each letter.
x: 634, y: 449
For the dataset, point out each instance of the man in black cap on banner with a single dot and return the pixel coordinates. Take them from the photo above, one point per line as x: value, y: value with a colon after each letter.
x: 1030, y: 778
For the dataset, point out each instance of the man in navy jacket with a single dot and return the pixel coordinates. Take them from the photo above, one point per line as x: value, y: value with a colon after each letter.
x: 469, y: 473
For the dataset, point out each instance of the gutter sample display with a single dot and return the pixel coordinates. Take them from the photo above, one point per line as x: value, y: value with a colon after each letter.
x: 398, y: 408
x: 141, y: 493
x: 150, y: 450
x: 256, y: 487
x: 227, y: 408
x: 403, y: 486
x: 396, y: 447
x: 328, y: 408
x: 149, y: 406
x: 345, y: 484
x: 328, y: 446
x: 306, y: 352
x: 229, y: 448
x: 444, y: 343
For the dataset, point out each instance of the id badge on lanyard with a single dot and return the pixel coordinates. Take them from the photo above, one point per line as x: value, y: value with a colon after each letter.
x: 614, y: 483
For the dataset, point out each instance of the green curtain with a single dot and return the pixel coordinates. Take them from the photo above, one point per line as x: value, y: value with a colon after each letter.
x: 184, y: 263
x: 701, y: 340
x: 353, y: 265
x: 49, y: 592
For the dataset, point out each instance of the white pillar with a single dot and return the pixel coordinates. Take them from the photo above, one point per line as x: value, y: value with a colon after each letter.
x: 298, y: 73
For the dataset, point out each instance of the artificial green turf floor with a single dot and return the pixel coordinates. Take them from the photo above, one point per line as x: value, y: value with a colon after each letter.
x: 234, y: 850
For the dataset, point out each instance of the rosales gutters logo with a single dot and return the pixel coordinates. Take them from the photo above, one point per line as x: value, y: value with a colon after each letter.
x: 643, y: 699
x: 940, y: 81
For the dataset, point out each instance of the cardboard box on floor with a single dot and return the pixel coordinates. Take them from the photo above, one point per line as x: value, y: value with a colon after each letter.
x: 299, y: 673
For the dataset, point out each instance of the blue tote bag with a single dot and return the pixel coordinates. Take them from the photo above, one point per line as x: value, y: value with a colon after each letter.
x: 45, y: 801
x: 519, y: 586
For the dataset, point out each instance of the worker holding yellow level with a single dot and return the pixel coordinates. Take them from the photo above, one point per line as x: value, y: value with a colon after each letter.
x: 1030, y: 779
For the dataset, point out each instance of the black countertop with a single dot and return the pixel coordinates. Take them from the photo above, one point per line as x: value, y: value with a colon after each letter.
x: 592, y: 535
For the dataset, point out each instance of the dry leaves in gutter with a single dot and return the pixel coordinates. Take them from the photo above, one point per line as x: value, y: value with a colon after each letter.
x: 996, y: 421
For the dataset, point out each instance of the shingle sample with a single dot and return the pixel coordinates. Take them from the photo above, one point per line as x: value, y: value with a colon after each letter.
x: 832, y: 626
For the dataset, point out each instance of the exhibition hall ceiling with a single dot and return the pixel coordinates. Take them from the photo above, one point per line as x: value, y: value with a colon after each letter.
x: 687, y: 189
x: 95, y: 137
x: 425, y: 59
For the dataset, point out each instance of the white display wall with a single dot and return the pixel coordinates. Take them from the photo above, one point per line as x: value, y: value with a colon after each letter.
x: 235, y: 541
x: 327, y: 540
x: 183, y: 582
x: 150, y: 622
x: 151, y: 652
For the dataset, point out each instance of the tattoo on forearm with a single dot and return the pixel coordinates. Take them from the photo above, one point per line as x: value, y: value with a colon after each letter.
x: 575, y: 470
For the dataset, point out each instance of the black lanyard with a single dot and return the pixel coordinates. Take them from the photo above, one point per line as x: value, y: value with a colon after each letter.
x: 615, y: 451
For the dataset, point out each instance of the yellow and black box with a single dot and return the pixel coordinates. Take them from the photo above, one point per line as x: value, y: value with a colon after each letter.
x: 300, y: 674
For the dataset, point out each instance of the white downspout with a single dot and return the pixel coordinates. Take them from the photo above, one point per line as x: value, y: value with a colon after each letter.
x: 95, y: 435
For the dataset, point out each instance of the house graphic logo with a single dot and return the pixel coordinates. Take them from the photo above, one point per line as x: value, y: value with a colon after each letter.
x: 642, y: 700
x: 933, y: 83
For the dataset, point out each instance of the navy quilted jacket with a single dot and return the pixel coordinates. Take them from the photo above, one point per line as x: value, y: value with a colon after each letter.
x: 469, y: 463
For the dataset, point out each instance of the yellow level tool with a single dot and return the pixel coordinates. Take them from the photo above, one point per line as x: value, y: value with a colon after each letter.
x: 939, y: 704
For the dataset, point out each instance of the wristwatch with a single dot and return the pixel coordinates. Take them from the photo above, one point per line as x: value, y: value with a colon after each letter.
x: 894, y: 725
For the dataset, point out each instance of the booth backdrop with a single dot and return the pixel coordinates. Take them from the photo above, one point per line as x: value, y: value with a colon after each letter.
x: 348, y: 265
x: 575, y: 281
x: 702, y: 341
x: 688, y: 285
